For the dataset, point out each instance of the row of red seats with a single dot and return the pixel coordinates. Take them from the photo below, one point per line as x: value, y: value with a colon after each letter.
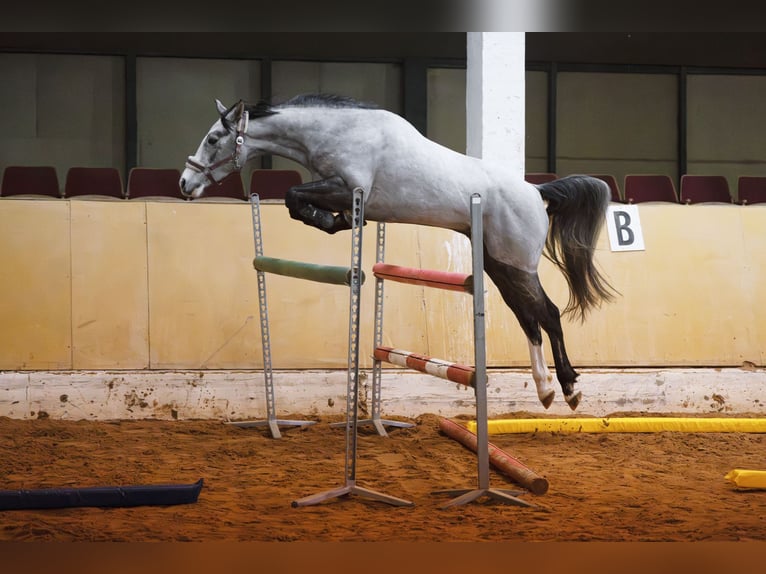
x: 146, y: 182
x: 143, y: 182
x: 694, y: 188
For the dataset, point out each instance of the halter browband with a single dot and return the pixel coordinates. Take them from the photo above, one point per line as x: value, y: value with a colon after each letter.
x: 207, y: 171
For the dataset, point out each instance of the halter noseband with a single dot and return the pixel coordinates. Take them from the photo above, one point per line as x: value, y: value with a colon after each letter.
x: 207, y: 171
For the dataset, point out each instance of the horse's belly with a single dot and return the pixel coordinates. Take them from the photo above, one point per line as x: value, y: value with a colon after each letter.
x: 434, y: 216
x: 420, y: 208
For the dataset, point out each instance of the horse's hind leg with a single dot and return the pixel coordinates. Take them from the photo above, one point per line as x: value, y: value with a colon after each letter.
x: 551, y: 321
x: 523, y: 293
x: 320, y: 204
x: 518, y: 291
x: 540, y: 373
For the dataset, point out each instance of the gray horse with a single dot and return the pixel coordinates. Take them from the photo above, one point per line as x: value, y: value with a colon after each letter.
x: 408, y: 178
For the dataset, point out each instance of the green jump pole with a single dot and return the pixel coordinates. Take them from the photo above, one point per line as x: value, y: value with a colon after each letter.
x: 335, y: 275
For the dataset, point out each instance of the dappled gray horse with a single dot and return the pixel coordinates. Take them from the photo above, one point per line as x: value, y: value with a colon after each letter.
x: 408, y: 178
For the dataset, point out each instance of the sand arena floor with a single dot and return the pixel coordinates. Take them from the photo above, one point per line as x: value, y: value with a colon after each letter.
x: 603, y: 487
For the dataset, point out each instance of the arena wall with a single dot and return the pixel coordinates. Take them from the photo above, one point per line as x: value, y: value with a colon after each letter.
x: 170, y: 285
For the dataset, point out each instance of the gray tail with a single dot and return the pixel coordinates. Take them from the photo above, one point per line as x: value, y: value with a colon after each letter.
x: 576, y: 206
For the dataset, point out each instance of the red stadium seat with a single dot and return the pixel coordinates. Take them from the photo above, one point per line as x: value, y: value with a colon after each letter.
x: 30, y: 180
x: 153, y: 182
x: 640, y: 188
x: 273, y: 183
x: 751, y: 189
x: 704, y: 189
x: 540, y: 177
x: 230, y: 188
x: 612, y: 183
x: 104, y: 181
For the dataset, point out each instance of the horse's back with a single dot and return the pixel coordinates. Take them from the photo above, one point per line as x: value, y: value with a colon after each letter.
x: 412, y: 179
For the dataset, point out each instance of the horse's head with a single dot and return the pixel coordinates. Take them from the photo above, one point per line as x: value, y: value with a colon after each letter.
x: 221, y: 152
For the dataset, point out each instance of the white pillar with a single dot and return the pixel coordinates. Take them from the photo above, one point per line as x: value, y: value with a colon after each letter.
x: 495, y: 108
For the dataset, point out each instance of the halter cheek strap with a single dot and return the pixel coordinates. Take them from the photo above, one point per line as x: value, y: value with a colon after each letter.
x: 244, y: 120
x: 234, y: 157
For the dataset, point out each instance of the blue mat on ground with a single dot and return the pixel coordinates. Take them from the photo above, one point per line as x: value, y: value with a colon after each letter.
x: 103, y: 496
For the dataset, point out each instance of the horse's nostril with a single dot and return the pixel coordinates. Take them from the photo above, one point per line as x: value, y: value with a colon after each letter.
x: 182, y: 184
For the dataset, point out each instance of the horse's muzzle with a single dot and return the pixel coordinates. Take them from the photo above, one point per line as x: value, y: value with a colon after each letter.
x: 182, y: 186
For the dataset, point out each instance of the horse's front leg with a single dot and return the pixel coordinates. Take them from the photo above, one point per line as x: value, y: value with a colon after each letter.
x: 320, y: 204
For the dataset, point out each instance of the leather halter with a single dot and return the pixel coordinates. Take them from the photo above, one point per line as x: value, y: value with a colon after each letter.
x: 207, y: 171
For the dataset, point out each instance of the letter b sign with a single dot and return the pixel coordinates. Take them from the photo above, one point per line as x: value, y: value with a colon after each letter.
x: 624, y: 228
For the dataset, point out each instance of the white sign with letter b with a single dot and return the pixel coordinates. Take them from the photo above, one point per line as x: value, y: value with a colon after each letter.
x: 624, y: 228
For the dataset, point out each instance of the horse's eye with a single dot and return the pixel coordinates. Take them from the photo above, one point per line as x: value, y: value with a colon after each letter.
x: 212, y: 140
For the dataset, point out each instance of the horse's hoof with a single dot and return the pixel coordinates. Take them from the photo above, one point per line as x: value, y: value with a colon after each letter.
x: 573, y: 400
x: 547, y: 400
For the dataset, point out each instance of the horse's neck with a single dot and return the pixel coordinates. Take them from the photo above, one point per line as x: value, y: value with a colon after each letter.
x: 286, y: 149
x: 273, y: 137
x: 300, y: 134
x: 289, y: 152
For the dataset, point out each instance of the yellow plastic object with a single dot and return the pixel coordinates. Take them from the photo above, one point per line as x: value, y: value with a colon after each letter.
x: 624, y: 425
x: 747, y: 478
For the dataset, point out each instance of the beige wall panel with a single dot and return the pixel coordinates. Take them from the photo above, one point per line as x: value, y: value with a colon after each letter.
x: 449, y: 328
x: 449, y: 314
x: 308, y: 321
x: 753, y: 283
x: 110, y: 307
x: 506, y: 342
x: 204, y: 298
x: 203, y: 308
x: 405, y: 307
x: 447, y: 332
x: 692, y: 298
x: 35, y: 287
x: 682, y: 301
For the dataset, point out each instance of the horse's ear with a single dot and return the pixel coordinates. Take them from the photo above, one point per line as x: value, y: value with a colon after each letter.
x: 221, y: 108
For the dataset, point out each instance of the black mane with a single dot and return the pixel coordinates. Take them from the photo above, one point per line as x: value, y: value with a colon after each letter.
x: 326, y: 101
x: 262, y: 109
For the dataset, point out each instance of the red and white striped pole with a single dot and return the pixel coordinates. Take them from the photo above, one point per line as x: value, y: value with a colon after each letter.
x: 455, y: 372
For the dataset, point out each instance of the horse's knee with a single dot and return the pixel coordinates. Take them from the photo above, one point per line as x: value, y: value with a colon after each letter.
x: 293, y: 204
x: 291, y: 199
